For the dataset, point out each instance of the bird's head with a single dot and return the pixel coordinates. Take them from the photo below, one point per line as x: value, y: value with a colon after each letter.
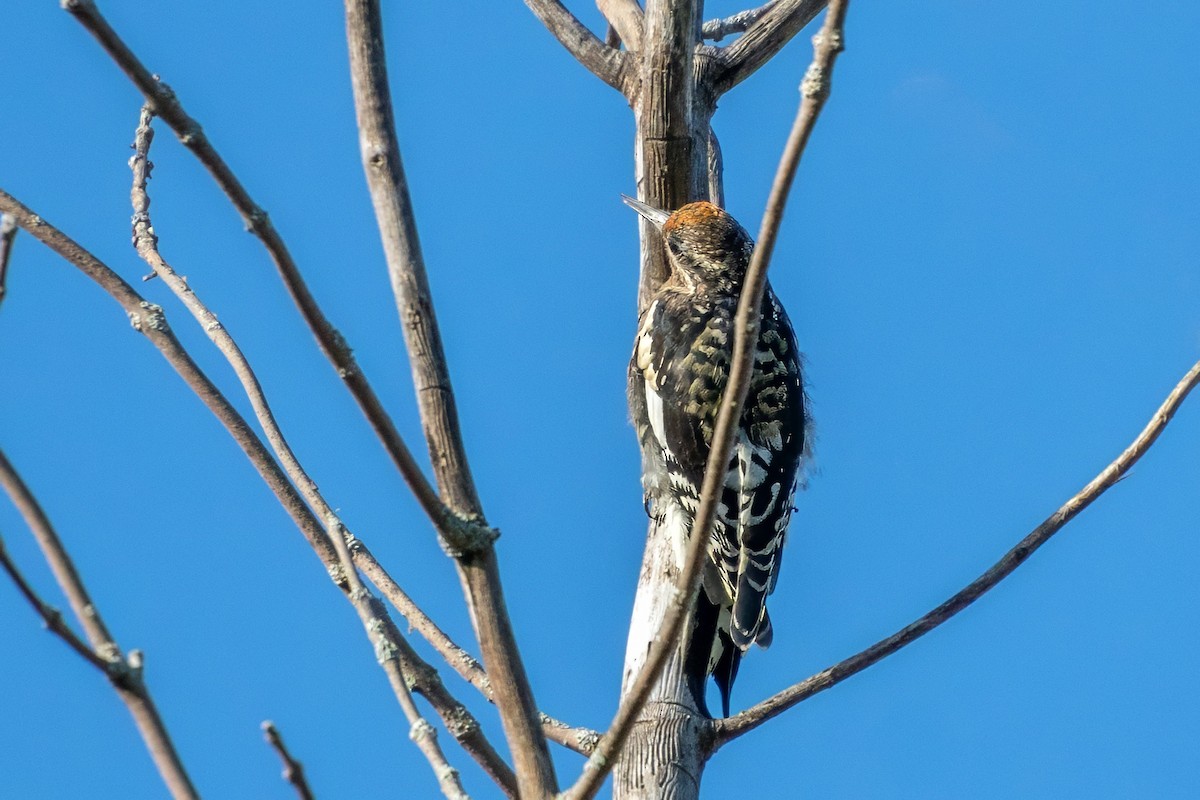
x: 706, y: 244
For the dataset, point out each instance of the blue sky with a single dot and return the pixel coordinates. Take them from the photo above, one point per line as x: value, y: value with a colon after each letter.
x: 991, y: 260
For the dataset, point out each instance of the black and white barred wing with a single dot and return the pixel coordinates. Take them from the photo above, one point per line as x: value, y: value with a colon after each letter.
x: 682, y: 361
x: 770, y: 447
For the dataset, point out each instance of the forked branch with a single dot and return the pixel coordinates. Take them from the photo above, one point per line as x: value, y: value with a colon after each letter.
x: 815, y: 90
x: 124, y: 672
x: 751, y: 718
x: 762, y: 40
x: 606, y: 63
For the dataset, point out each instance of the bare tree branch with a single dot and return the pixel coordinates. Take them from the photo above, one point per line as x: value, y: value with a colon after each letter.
x: 717, y: 29
x: 673, y: 106
x: 148, y: 319
x: 627, y: 18
x: 8, y: 232
x: 478, y: 570
x: 125, y: 673
x: 293, y: 770
x: 606, y: 63
x: 815, y: 88
x: 460, y: 533
x: 751, y: 718
x: 372, y: 613
x: 762, y: 40
x: 455, y: 656
x: 145, y: 241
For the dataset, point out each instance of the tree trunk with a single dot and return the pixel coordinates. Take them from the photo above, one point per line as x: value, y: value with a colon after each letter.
x: 665, y: 754
x: 669, y: 745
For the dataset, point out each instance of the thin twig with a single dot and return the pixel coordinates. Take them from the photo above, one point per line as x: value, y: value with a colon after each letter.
x: 149, y: 320
x: 626, y: 17
x: 125, y: 673
x: 606, y: 63
x: 717, y: 29
x: 293, y: 770
x: 751, y: 718
x: 463, y: 534
x: 8, y: 232
x: 815, y: 88
x: 372, y: 612
x: 51, y: 616
x: 478, y: 570
x: 762, y: 40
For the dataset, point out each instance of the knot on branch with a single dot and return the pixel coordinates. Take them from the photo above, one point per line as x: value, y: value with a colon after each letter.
x: 255, y: 220
x: 469, y: 663
x: 165, y: 92
x: 52, y: 619
x: 342, y: 355
x: 835, y: 42
x: 385, y: 648
x: 150, y: 318
x: 337, y: 573
x: 815, y: 85
x: 421, y: 729
x: 123, y: 672
x: 459, y: 723
x: 143, y: 231
x: 587, y: 741
x: 192, y: 136
x: 462, y: 536
x: 376, y: 158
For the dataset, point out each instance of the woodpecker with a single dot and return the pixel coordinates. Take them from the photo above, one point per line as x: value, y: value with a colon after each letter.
x: 677, y: 375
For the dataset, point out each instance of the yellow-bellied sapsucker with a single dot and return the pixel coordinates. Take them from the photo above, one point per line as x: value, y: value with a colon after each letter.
x: 678, y: 373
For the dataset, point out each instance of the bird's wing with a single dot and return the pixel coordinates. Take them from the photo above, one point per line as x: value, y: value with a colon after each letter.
x: 682, y: 358
x: 769, y: 448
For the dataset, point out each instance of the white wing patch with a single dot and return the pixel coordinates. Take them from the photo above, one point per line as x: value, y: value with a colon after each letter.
x: 654, y: 410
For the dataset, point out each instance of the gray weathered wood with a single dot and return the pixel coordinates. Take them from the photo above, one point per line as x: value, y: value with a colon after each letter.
x: 663, y: 757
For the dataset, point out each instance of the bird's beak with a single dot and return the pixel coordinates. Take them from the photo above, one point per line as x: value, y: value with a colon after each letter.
x: 654, y: 216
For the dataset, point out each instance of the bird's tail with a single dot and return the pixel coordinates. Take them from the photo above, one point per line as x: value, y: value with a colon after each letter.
x: 711, y: 652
